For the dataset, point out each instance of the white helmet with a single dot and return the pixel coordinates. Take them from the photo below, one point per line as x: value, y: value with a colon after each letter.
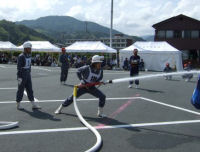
x: 27, y: 45
x: 97, y: 59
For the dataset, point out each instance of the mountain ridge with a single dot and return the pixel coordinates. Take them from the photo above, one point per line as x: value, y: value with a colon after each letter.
x: 66, y: 27
x: 18, y: 34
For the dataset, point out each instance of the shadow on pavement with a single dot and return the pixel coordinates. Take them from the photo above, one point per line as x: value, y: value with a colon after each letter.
x: 40, y: 115
x: 149, y: 90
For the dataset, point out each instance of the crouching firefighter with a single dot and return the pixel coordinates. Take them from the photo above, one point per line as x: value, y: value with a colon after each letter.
x: 89, y: 74
x: 24, y: 76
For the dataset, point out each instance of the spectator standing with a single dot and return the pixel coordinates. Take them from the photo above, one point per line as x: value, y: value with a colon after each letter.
x: 168, y: 69
x: 187, y: 67
x: 126, y: 64
x: 134, y: 67
x: 64, y: 66
x: 141, y: 65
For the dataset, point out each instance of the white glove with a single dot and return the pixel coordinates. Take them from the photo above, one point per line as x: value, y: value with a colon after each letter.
x: 19, y: 80
x: 83, y: 82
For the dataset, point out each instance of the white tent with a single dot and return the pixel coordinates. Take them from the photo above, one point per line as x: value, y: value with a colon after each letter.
x: 7, y: 46
x: 42, y: 46
x: 90, y: 47
x: 155, y: 55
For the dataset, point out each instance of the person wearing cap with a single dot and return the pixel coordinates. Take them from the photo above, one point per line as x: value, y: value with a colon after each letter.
x: 89, y: 74
x: 187, y: 67
x: 168, y: 69
x: 134, y: 67
x: 64, y: 66
x: 24, y: 76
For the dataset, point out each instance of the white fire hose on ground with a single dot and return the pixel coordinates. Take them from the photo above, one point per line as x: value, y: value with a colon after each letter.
x: 98, y: 136
x: 8, y: 125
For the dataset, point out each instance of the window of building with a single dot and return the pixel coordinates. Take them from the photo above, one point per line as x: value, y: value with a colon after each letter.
x: 169, y: 34
x: 161, y: 34
x: 187, y: 34
x: 182, y: 34
x: 177, y: 34
x: 194, y: 34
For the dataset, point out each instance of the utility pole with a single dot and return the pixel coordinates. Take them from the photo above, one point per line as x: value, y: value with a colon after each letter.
x: 111, y: 23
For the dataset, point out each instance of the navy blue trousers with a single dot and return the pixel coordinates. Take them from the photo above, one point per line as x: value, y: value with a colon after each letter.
x: 134, y: 72
x: 92, y: 90
x: 25, y: 84
x: 64, y: 74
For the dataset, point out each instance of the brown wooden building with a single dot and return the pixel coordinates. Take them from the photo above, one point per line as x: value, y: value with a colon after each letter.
x: 183, y: 33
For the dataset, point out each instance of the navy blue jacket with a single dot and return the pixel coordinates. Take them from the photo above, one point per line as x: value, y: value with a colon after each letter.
x: 23, y: 64
x: 64, y: 60
x: 84, y: 72
x: 134, y: 63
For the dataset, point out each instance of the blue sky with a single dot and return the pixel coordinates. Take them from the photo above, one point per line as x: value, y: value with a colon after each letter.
x: 131, y: 17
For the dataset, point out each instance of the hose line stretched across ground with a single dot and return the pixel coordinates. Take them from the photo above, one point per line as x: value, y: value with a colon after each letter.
x: 98, y: 136
x: 150, y: 76
x: 99, y: 139
x: 8, y: 125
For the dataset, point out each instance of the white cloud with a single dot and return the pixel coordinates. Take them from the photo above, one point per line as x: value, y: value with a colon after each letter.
x: 89, y: 1
x: 131, y: 17
x: 95, y: 12
x: 75, y: 11
x: 188, y: 7
x: 25, y: 9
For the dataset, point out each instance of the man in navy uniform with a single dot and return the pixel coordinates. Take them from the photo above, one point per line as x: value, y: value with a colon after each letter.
x: 134, y: 67
x: 24, y: 76
x: 168, y: 69
x: 187, y: 67
x: 64, y: 66
x: 89, y: 74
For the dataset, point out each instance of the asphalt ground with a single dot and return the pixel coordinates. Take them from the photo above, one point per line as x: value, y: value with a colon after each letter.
x: 156, y: 117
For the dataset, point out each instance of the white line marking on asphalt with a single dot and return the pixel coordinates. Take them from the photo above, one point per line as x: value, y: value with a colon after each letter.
x: 99, y: 127
x: 42, y: 69
x: 91, y: 99
x: 8, y: 88
x: 122, y: 98
x: 172, y: 106
x: 149, y: 124
x: 1, y: 66
x: 117, y: 73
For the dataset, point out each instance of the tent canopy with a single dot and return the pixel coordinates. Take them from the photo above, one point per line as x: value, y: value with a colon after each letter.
x: 42, y: 46
x: 154, y: 54
x: 90, y: 47
x: 160, y: 47
x: 131, y: 48
x: 6, y: 45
